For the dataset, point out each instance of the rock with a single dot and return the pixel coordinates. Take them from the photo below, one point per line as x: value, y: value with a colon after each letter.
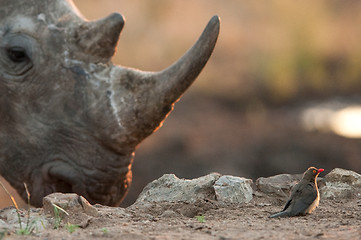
x: 227, y: 189
x: 10, y: 216
x: 171, y: 188
x: 230, y: 189
x: 341, y: 183
x: 9, y: 219
x: 344, y: 176
x: 77, y: 209
x: 3, y: 225
x: 279, y: 185
x: 69, y: 202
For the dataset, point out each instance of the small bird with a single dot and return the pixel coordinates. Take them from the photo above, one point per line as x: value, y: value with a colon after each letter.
x: 304, y: 197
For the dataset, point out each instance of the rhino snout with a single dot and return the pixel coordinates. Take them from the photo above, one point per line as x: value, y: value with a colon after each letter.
x: 56, y: 176
x: 97, y: 185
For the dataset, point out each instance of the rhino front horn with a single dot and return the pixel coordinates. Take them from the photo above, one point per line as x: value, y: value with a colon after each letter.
x: 178, y: 77
x: 99, y: 38
x: 144, y: 99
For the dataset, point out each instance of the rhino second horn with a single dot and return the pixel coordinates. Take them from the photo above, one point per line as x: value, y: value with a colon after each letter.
x: 99, y: 38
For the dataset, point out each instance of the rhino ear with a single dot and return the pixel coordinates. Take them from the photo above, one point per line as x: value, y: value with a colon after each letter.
x: 99, y: 38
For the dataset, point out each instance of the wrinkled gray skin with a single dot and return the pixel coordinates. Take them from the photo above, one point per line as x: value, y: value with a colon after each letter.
x: 70, y: 120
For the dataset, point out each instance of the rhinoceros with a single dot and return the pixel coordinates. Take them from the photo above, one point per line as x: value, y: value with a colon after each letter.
x: 70, y: 119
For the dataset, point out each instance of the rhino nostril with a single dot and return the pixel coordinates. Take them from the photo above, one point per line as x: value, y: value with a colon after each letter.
x: 62, y: 177
x: 60, y: 180
x: 62, y: 186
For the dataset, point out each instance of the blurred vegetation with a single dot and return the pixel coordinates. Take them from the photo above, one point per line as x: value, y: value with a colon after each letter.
x: 269, y: 52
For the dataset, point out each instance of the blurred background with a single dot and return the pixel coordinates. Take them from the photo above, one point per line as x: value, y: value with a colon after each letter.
x: 281, y: 92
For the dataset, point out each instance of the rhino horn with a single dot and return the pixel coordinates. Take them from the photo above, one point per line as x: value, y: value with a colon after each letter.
x: 99, y: 38
x: 174, y: 80
x: 144, y: 99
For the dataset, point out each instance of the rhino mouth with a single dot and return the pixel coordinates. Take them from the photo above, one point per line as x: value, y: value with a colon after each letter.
x: 65, y: 177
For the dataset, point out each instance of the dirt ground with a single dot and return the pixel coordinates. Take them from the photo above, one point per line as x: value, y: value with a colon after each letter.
x: 333, y: 219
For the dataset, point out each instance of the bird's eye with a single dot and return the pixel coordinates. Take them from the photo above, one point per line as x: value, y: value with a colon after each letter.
x: 314, y: 171
x: 17, y: 54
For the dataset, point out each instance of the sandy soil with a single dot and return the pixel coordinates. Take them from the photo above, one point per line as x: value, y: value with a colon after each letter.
x: 333, y: 219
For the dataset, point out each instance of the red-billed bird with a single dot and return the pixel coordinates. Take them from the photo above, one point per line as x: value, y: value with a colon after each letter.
x: 304, y: 197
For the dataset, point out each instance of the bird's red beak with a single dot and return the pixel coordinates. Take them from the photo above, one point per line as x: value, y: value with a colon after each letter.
x: 320, y: 170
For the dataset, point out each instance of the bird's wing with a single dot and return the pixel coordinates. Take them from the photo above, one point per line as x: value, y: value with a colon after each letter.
x: 302, y: 198
x: 288, y: 203
x: 295, y: 192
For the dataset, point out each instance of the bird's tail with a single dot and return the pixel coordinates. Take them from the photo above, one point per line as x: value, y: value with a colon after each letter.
x: 280, y: 214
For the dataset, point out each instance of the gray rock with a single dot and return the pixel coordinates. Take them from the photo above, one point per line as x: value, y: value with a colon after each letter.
x: 3, y: 225
x: 341, y: 183
x: 9, y: 219
x: 74, y: 209
x: 69, y: 202
x: 171, y: 188
x: 278, y: 185
x: 230, y: 189
x: 344, y: 176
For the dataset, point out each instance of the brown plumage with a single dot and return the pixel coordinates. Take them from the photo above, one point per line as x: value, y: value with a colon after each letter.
x: 304, y: 197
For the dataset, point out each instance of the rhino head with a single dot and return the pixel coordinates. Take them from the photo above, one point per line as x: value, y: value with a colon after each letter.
x: 70, y: 120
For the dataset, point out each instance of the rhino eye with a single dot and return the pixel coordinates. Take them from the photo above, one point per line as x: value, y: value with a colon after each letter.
x: 17, y: 54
